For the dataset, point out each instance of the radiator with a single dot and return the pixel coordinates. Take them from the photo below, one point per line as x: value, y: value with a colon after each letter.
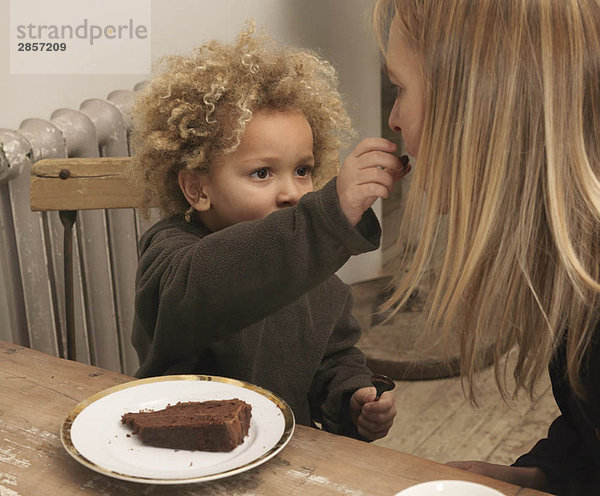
x: 105, y: 252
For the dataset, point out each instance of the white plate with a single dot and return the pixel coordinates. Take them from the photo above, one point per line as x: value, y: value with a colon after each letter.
x: 449, y: 488
x: 94, y: 435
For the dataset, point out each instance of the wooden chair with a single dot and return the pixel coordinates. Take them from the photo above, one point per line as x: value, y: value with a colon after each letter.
x: 69, y: 185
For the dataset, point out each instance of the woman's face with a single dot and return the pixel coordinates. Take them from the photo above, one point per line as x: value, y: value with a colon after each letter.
x: 405, y: 75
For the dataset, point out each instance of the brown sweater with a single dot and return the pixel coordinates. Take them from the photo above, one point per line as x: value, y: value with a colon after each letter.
x: 259, y: 302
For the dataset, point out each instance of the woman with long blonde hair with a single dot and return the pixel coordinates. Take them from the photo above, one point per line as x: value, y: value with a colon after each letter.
x: 499, y: 103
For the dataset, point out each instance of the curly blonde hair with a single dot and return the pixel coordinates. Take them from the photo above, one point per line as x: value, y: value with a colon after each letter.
x: 199, y: 105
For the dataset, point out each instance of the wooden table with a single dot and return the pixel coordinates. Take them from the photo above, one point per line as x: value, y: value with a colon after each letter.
x: 37, y: 391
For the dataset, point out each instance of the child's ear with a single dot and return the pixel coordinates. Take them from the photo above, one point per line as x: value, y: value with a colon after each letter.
x: 191, y: 184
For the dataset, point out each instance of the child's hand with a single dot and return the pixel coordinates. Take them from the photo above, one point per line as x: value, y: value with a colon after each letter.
x: 373, y: 419
x: 368, y: 173
x: 532, y: 477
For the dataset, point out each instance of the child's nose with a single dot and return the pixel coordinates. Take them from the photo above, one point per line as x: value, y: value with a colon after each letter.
x: 288, y: 194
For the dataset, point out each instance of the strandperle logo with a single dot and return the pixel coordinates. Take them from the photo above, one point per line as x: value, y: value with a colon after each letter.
x: 83, y: 31
x: 80, y: 37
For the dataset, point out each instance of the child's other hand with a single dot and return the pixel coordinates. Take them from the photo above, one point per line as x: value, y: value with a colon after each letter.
x: 373, y: 419
x: 368, y: 173
x: 532, y: 477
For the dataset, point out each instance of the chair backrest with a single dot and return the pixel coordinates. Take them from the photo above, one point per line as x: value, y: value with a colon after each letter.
x: 73, y: 184
x: 84, y: 184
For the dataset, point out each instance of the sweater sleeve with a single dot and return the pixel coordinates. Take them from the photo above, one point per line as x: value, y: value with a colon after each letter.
x: 554, y: 455
x: 193, y: 289
x: 343, y: 370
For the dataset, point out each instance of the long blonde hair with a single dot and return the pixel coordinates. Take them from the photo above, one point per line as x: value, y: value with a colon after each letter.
x: 510, y: 153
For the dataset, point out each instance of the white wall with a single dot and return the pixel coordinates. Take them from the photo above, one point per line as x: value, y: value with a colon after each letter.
x: 177, y: 26
x: 338, y: 29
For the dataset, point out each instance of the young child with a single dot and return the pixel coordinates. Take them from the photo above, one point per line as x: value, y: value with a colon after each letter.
x: 499, y: 102
x: 238, y: 280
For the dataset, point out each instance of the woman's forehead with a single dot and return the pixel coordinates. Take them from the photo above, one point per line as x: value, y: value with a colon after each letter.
x: 400, y: 55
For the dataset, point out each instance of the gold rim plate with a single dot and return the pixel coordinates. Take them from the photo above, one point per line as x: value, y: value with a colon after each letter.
x: 271, y: 451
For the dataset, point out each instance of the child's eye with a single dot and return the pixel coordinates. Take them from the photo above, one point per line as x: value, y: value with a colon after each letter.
x: 304, y: 171
x: 262, y: 173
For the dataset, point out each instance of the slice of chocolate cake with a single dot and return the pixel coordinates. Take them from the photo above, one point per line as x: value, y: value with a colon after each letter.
x: 218, y: 425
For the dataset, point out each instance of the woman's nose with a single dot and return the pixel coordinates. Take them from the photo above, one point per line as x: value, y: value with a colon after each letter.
x: 393, y: 122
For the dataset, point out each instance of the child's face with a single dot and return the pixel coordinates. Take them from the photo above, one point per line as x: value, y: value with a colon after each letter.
x: 404, y: 72
x: 271, y: 169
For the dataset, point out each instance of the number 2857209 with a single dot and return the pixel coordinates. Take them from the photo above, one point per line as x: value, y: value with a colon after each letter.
x: 41, y: 47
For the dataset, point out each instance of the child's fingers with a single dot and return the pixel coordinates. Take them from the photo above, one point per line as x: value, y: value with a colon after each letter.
x: 372, y: 430
x: 386, y: 402
x: 375, y: 425
x: 377, y: 421
x: 401, y: 173
x: 373, y: 418
x: 376, y: 175
x: 382, y: 410
x: 379, y: 416
x: 379, y: 159
x: 362, y: 396
x: 372, y: 191
x: 372, y: 436
x: 374, y: 144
